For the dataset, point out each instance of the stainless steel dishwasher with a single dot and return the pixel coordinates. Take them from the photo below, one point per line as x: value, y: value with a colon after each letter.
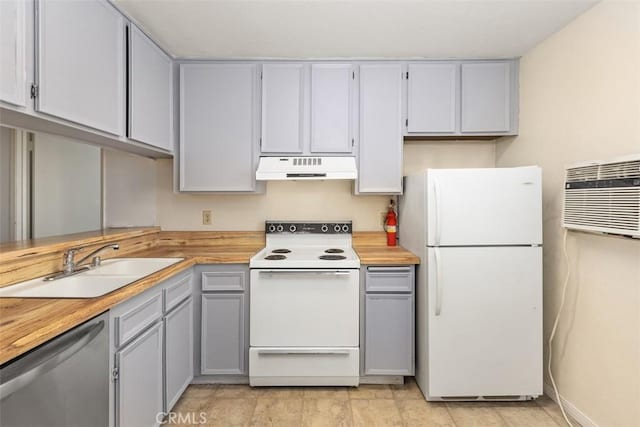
x: 64, y: 382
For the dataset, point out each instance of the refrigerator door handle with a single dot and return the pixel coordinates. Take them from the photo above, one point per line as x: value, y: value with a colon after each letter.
x: 437, y: 208
x: 438, y: 284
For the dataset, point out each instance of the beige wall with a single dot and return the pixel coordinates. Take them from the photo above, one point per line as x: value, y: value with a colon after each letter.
x: 296, y: 200
x: 129, y: 189
x: 580, y: 100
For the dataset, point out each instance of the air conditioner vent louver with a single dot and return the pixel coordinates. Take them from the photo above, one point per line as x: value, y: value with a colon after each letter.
x: 604, y: 198
x: 620, y: 170
x: 583, y: 173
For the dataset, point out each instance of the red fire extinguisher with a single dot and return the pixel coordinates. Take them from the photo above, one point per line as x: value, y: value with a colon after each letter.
x: 390, y: 224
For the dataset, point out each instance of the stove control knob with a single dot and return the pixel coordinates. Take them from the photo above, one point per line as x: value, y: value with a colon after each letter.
x: 280, y: 228
x: 324, y: 228
x: 272, y: 228
x: 345, y: 228
x: 336, y: 228
x: 292, y: 228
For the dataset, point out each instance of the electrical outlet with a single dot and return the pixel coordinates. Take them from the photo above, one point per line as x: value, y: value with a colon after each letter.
x: 207, y: 217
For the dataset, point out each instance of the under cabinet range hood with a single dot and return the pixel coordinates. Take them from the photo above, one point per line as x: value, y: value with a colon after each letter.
x: 306, y: 168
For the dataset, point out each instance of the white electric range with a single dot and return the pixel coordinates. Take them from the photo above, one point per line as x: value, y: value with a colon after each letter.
x: 304, y: 306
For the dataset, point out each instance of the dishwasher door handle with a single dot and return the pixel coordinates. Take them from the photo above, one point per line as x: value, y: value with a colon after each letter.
x: 24, y: 371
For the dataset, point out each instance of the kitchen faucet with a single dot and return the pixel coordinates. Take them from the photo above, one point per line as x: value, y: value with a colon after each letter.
x: 71, y: 267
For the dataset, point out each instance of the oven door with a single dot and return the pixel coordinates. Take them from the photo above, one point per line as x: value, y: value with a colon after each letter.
x: 304, y: 308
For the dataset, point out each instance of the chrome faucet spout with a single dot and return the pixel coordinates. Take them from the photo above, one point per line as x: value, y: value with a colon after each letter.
x: 113, y: 246
x: 71, y: 267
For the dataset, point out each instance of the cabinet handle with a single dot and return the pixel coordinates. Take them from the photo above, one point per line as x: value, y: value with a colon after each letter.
x: 389, y: 269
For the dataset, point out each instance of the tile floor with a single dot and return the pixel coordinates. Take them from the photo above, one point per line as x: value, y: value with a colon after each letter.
x: 367, y: 405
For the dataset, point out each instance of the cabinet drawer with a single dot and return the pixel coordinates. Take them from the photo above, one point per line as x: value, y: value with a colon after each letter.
x: 177, y: 292
x: 136, y: 319
x: 389, y: 279
x: 223, y: 281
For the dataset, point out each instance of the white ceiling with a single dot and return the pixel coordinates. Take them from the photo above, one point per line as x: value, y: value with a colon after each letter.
x: 351, y: 28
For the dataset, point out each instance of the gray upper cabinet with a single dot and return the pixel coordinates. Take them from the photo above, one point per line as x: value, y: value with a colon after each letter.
x: 80, y: 63
x: 13, y: 66
x: 432, y: 98
x: 487, y: 97
x: 331, y: 108
x: 380, y: 147
x: 283, y: 108
x: 150, y: 92
x: 218, y: 127
x: 447, y: 98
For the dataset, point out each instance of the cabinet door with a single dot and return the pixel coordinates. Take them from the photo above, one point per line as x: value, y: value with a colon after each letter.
x: 150, y: 92
x: 139, y: 385
x: 81, y: 72
x: 486, y: 97
x: 432, y: 98
x: 218, y: 110
x: 331, y: 101
x: 178, y: 368
x: 224, y: 334
x: 282, y: 108
x: 13, y: 52
x: 389, y: 342
x: 380, y: 147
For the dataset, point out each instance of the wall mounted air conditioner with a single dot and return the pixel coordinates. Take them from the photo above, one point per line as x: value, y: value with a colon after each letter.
x: 604, y: 197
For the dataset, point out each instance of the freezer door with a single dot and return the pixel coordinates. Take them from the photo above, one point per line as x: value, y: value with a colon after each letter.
x: 472, y: 207
x: 484, y: 321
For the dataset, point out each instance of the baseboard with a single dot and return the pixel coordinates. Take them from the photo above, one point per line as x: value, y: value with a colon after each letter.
x: 382, y: 379
x: 570, y: 408
x: 220, y: 379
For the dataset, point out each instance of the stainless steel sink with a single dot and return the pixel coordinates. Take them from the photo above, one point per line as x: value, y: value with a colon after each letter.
x: 110, y: 275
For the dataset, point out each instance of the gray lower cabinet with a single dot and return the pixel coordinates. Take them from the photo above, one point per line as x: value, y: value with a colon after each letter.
x: 178, y: 366
x: 389, y: 320
x: 139, y: 381
x: 224, y: 320
x: 152, y: 348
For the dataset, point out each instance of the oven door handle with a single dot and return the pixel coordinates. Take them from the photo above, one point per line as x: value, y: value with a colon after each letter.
x: 291, y: 273
x: 303, y: 352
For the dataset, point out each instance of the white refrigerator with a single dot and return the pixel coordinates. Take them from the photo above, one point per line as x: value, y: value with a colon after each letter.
x: 478, y: 233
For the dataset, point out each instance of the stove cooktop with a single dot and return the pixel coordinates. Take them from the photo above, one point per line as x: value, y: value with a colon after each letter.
x: 306, y: 257
x: 307, y: 244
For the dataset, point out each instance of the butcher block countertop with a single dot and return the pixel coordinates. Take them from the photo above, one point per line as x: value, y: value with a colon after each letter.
x: 26, y: 323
